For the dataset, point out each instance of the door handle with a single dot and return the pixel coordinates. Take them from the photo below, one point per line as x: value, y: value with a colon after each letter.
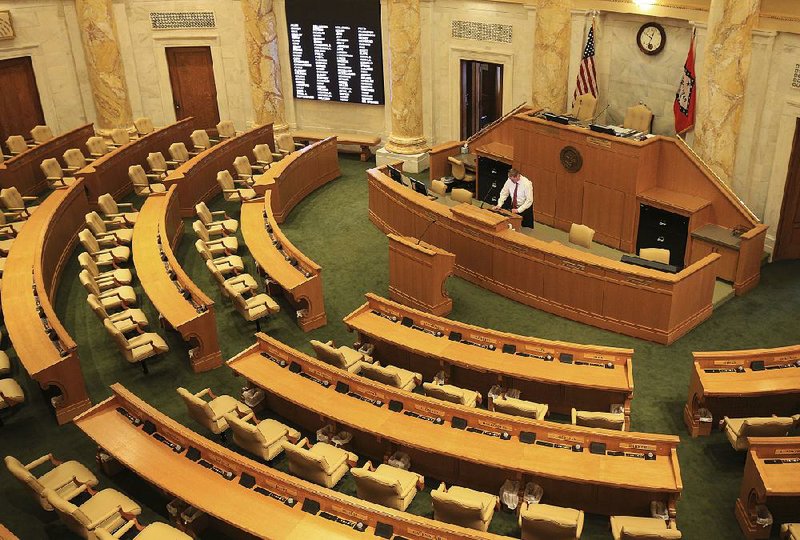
x: 177, y: 106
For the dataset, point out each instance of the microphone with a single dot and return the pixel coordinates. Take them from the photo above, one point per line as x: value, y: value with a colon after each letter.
x: 425, y: 231
x: 488, y: 193
x: 595, y: 117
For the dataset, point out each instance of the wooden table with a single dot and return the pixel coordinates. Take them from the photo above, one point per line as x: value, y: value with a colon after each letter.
x: 262, y: 510
x: 158, y: 229
x: 474, y: 454
x: 772, y: 479
x: 362, y: 141
x: 30, y: 281
x: 725, y: 383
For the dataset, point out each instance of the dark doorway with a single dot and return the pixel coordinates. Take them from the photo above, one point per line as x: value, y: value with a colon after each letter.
x: 787, y: 244
x: 194, y: 92
x: 20, y: 106
x: 481, y: 95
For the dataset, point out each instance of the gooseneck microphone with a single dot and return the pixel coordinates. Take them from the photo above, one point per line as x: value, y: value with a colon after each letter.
x: 488, y: 194
x: 425, y: 231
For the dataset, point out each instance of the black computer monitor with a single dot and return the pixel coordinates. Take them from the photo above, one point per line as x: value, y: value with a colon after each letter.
x: 418, y: 186
x: 396, y: 175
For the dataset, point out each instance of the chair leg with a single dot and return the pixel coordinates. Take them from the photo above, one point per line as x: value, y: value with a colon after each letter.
x: 143, y: 363
x: 258, y: 326
x: 223, y: 438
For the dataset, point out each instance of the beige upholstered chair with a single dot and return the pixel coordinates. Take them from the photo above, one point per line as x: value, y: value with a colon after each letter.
x: 584, y: 107
x: 11, y: 394
x: 790, y: 531
x: 342, y: 357
x: 97, y: 146
x: 226, y: 245
x: 75, y: 160
x: 179, y: 153
x: 200, y: 140
x: 323, y: 464
x: 642, y: 528
x: 15, y: 203
x: 519, y: 407
x: 440, y: 188
x: 386, y: 485
x: 459, y: 170
x: 464, y: 507
x: 638, y: 117
x: 100, y: 229
x: 104, y: 249
x: 139, y: 348
x: 232, y: 193
x: 153, y: 531
x: 212, y: 219
x: 144, y: 125
x: 253, y: 308
x: 546, y: 522
x: 655, y: 254
x: 111, y: 209
x: 55, y: 174
x: 581, y: 235
x: 391, y: 375
x: 8, y: 225
x: 244, y: 284
x: 263, y: 438
x: 125, y: 321
x: 225, y: 265
x: 62, y: 478
x: 106, y: 509
x: 264, y: 155
x: 461, y: 195
x: 16, y: 144
x: 120, y: 136
x: 211, y: 414
x: 453, y: 394
x: 739, y: 429
x: 117, y: 276
x: 41, y: 134
x: 110, y: 298
x: 141, y: 181
x: 284, y: 144
x: 158, y: 164
x: 226, y: 129
x: 604, y: 420
x: 244, y: 169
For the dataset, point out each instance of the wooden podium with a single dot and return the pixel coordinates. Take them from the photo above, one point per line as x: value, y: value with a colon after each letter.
x: 417, y: 272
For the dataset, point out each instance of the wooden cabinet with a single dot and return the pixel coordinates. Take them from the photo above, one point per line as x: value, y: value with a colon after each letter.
x: 726, y: 266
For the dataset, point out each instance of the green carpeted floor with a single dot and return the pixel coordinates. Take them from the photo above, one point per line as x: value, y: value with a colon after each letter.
x: 331, y: 227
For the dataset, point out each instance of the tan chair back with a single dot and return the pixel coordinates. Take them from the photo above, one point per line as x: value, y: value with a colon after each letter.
x: 16, y: 144
x: 328, y: 354
x: 450, y: 509
x: 203, y: 250
x: 226, y: 129
x: 41, y: 134
x: 107, y: 204
x: 97, y: 307
x: 263, y: 153
x: 95, y: 223
x: 144, y: 125
x: 374, y: 487
x: 120, y: 136
x: 581, y: 235
x: 242, y: 166
x: 73, y: 517
x: 74, y: 158
x: 457, y: 168
x: 766, y: 427
x: 200, y: 139
x: 97, y: 146
x: 138, y: 176
x: 18, y: 471
x: 51, y: 168
x: 638, y: 117
x: 461, y: 195
x: 201, y: 231
x: 199, y: 409
x: 178, y: 152
x: 225, y: 179
x: 202, y: 211
x: 11, y: 198
x: 88, y: 241
x: 655, y: 254
x: 87, y: 263
x: 285, y: 142
x: 438, y: 187
x: 156, y: 162
x: 584, y: 107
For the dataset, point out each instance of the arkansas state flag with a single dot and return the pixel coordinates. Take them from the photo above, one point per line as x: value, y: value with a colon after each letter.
x: 686, y: 98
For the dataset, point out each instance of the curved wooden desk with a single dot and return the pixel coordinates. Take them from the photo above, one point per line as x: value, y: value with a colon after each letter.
x: 109, y: 172
x: 197, y: 178
x: 563, y: 375
x: 24, y: 172
x: 30, y: 279
x: 298, y: 174
x: 475, y: 453
x: 550, y: 276
x: 180, y: 302
x: 301, y: 281
x: 273, y: 504
x: 725, y: 383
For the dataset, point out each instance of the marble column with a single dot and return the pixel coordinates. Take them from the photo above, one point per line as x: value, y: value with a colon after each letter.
x: 722, y: 81
x: 104, y: 64
x: 405, y: 93
x: 551, y: 51
x: 261, y: 41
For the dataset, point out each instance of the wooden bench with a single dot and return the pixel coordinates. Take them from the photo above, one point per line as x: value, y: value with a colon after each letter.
x: 364, y: 141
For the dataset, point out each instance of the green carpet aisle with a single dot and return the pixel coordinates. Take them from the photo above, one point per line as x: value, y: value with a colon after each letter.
x: 331, y: 226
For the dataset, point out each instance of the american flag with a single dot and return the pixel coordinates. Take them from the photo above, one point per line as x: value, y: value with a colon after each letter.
x: 587, y: 76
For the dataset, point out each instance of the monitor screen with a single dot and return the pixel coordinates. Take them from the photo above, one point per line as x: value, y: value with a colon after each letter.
x: 335, y: 50
x: 396, y: 175
x: 419, y: 187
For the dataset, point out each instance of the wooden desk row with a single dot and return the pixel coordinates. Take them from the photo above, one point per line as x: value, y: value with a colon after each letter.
x: 188, y: 310
x: 628, y: 299
x: 468, y: 446
x: 30, y: 281
x: 24, y: 172
x: 258, y: 500
x: 563, y: 375
x: 756, y: 382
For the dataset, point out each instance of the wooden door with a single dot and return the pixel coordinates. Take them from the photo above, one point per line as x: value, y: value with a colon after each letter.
x: 481, y: 95
x: 194, y: 92
x: 787, y: 245
x: 20, y: 107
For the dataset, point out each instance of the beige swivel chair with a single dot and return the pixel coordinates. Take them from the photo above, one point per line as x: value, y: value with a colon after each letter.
x: 104, y: 249
x: 153, y: 531
x: 655, y: 254
x: 264, y: 155
x: 200, y: 140
x: 244, y: 284
x: 106, y: 509
x: 179, y: 153
x: 41, y: 134
x: 323, y: 464
x: 739, y: 429
x: 546, y: 522
x: 110, y: 298
x: 232, y: 193
x: 284, y: 144
x: 642, y: 528
x: 638, y: 117
x: 459, y: 171
x: 120, y: 136
x: 111, y: 209
x: 144, y: 125
x: 244, y: 169
x: 159, y: 165
x: 584, y: 107
x: 391, y: 375
x: 11, y: 394
x: 461, y: 195
x: 453, y: 394
x: 581, y: 235
x: 211, y: 414
x: 100, y: 229
x: 75, y: 160
x: 55, y: 174
x: 519, y: 407
x: 253, y: 308
x: 263, y: 439
x: 224, y: 265
x: 212, y: 219
x: 63, y: 477
x: 226, y: 129
x: 15, y: 203
x: 139, y: 348
x: 125, y: 321
x: 227, y: 245
x: 464, y: 507
x: 16, y: 144
x: 142, y: 185
x: 8, y: 227
x: 790, y: 531
x: 342, y: 357
x: 604, y: 420
x: 440, y: 188
x: 117, y: 276
x: 386, y: 485
x: 97, y: 146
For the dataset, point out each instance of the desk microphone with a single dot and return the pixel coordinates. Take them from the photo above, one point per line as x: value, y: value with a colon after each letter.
x: 425, y: 231
x: 598, y: 115
x: 488, y: 194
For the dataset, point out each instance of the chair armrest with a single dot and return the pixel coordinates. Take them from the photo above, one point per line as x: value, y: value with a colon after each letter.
x: 304, y: 443
x: 277, y: 155
x: 247, y: 417
x: 36, y: 462
x: 127, y: 205
x: 101, y: 519
x: 220, y: 213
x: 75, y: 492
x: 29, y: 198
x: 110, y: 294
x: 129, y: 524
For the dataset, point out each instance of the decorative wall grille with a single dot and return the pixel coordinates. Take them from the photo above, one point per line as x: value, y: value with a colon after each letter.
x: 796, y: 77
x: 177, y: 20
x: 478, y: 31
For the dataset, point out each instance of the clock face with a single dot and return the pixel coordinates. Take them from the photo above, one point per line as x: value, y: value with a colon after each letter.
x: 651, y: 38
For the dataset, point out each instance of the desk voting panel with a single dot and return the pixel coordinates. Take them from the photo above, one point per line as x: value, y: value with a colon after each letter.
x: 30, y: 281
x: 756, y: 382
x: 628, y: 299
x: 251, y: 497
x: 180, y: 302
x: 599, y: 471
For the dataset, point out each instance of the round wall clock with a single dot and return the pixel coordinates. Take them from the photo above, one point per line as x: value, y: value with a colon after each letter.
x: 651, y: 38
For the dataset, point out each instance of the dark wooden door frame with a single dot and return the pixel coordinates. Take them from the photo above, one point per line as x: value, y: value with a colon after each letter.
x: 469, y: 74
x: 176, y: 84
x: 787, y: 224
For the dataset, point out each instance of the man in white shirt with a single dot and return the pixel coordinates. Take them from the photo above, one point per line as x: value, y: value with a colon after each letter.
x: 520, y: 190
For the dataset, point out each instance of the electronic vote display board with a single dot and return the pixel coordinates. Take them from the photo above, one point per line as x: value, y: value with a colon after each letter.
x: 335, y: 49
